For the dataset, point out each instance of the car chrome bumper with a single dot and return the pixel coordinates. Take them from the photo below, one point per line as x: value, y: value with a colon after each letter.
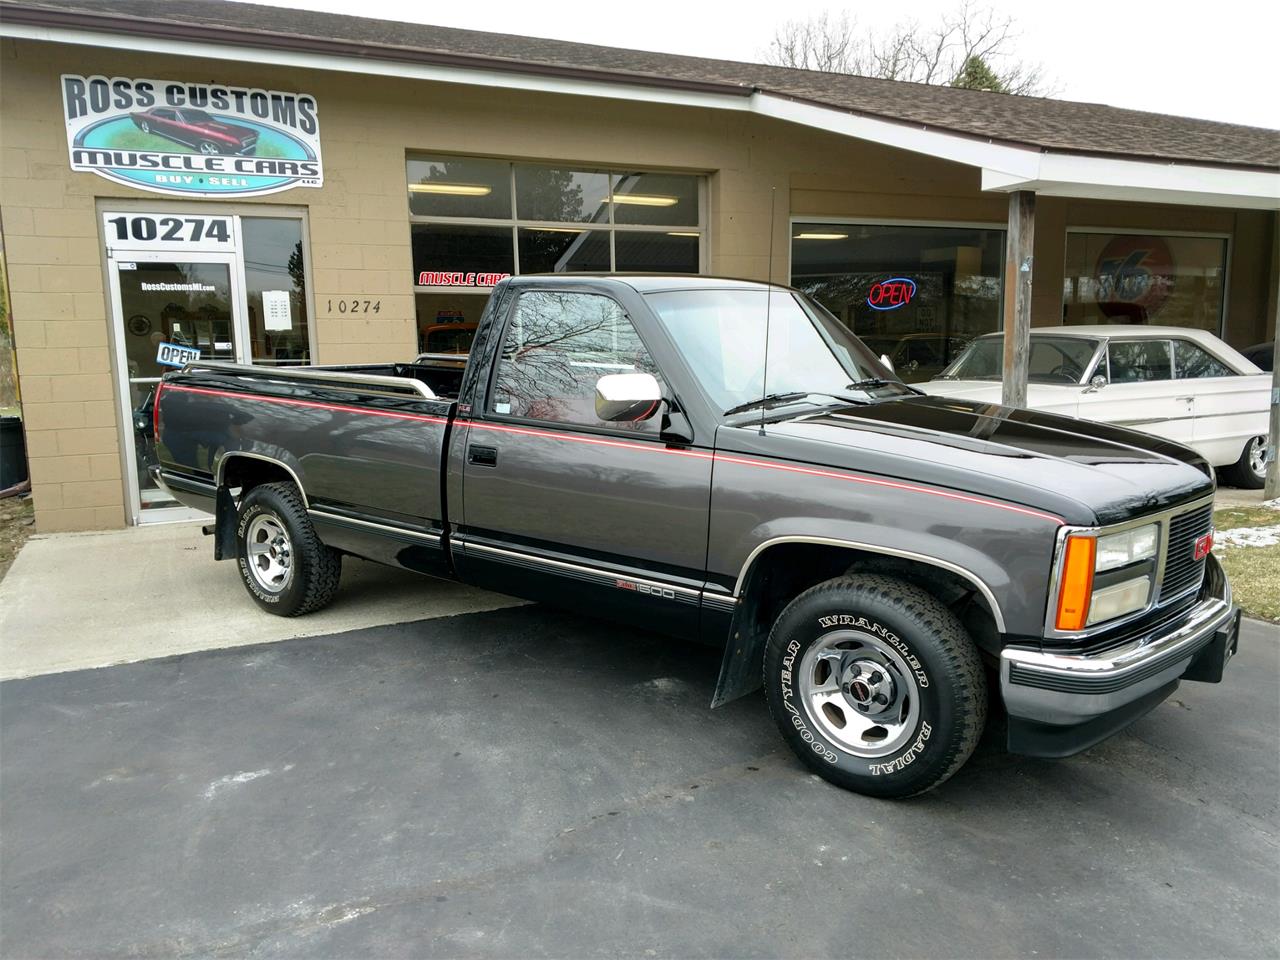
x: 1071, y: 689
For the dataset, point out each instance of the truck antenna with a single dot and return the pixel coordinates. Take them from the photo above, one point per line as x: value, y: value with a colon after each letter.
x: 768, y: 306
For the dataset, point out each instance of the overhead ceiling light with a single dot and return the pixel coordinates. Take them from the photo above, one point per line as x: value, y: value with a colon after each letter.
x: 645, y: 199
x: 683, y: 233
x: 452, y: 189
x: 559, y: 229
x: 821, y: 236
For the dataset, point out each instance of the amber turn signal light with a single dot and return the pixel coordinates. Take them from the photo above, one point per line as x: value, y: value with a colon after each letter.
x: 1076, y: 588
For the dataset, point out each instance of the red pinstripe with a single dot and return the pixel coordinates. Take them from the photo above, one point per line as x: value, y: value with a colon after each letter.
x: 845, y: 476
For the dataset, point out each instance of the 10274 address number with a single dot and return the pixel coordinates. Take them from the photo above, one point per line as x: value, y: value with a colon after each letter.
x: 356, y: 305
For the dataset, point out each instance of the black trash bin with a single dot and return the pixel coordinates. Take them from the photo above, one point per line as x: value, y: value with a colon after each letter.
x: 13, y: 452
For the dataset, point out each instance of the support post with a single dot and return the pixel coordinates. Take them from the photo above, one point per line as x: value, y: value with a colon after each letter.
x: 1019, y: 244
x: 1271, y: 486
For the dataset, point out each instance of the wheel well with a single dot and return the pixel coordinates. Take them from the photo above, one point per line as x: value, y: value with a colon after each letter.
x: 245, y: 473
x: 786, y: 570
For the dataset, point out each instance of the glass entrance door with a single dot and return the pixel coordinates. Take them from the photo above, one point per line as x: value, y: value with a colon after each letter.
x: 159, y: 299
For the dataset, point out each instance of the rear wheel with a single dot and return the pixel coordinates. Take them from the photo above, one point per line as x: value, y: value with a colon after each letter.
x: 1250, y: 471
x: 209, y: 148
x: 284, y: 565
x: 875, y: 685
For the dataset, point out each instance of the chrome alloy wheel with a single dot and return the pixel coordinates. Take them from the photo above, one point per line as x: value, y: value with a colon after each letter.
x: 859, y: 692
x: 1258, y: 456
x: 270, y: 553
x: 208, y: 149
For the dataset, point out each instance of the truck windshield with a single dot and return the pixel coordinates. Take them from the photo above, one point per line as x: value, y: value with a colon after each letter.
x: 1052, y: 360
x: 721, y: 334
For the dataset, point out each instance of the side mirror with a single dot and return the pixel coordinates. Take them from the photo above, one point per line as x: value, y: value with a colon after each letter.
x: 884, y: 358
x: 1096, y: 384
x: 627, y: 397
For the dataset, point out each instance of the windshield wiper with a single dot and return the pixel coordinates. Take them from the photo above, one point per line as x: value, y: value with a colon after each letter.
x: 766, y: 400
x: 868, y: 382
x: 788, y: 398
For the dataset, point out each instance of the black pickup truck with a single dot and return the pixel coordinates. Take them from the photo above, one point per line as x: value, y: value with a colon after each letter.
x: 881, y: 561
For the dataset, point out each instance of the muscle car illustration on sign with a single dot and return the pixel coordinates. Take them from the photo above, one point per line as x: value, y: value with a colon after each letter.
x: 196, y: 129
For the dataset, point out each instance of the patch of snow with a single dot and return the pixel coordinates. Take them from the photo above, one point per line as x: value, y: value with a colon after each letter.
x: 1247, y: 537
x: 232, y: 780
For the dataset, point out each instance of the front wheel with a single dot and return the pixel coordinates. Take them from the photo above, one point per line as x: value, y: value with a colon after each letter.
x: 285, y: 566
x: 875, y: 685
x: 1250, y: 471
x: 209, y: 148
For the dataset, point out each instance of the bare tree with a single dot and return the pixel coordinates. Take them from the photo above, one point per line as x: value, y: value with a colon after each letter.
x: 970, y: 47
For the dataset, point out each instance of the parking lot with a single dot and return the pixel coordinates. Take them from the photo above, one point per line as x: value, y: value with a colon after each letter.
x: 521, y: 782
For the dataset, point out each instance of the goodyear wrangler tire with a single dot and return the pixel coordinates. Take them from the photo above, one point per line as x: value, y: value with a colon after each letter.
x: 875, y: 685
x: 284, y: 565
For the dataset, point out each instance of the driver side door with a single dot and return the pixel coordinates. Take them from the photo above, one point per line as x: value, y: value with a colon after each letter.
x: 559, y: 504
x: 1140, y: 392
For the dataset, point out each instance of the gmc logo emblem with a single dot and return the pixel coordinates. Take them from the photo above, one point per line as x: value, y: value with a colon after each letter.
x: 1203, y: 546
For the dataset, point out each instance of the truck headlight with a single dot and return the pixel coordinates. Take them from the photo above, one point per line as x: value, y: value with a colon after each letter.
x: 1105, y: 577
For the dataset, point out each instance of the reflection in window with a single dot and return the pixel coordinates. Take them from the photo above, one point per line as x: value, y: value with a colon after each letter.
x: 1133, y: 278
x: 672, y: 252
x: 556, y: 348
x: 560, y: 195
x: 563, y: 251
x: 460, y: 248
x: 893, y: 284
x: 655, y: 198
x: 1192, y: 362
x: 276, y: 287
x: 1139, y: 361
x: 459, y: 187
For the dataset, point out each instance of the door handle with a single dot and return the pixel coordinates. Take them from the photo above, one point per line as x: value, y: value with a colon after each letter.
x: 482, y: 456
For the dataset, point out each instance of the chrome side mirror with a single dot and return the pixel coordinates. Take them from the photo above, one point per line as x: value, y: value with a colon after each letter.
x: 1096, y: 384
x: 627, y: 397
x: 884, y: 358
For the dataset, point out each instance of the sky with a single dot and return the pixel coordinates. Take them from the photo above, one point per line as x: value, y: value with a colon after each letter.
x: 1214, y: 59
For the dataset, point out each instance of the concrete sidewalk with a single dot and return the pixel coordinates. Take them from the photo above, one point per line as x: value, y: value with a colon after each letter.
x: 77, y: 600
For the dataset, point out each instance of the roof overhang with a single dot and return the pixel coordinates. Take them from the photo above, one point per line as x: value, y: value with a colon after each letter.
x: 1004, y: 166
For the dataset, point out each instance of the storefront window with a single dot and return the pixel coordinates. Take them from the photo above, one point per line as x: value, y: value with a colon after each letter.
x: 275, y: 284
x: 459, y: 187
x: 1141, y: 278
x: 915, y: 294
x: 475, y: 221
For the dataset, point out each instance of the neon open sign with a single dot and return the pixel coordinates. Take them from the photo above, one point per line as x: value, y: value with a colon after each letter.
x: 891, y: 294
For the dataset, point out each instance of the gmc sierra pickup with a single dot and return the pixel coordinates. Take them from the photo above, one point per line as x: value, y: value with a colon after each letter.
x: 724, y: 461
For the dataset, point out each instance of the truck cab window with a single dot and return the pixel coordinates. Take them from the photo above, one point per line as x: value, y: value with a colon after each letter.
x: 556, y: 347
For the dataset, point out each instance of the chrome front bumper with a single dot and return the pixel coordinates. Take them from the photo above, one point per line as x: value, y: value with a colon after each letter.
x: 1069, y: 688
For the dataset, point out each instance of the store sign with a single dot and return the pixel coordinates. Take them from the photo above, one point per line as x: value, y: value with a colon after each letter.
x: 891, y: 294
x: 1135, y: 277
x: 176, y: 355
x: 431, y: 278
x: 192, y: 139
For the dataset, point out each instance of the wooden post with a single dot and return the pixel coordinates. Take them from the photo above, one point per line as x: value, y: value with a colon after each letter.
x: 1271, y: 487
x: 1017, y: 295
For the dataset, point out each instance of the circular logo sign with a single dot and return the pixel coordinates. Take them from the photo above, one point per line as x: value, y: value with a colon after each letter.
x: 1135, y: 277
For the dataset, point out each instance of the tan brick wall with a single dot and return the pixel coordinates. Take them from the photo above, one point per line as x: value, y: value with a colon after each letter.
x: 359, y: 228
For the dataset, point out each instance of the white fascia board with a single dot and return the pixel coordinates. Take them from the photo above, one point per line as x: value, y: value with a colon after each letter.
x: 1149, y: 181
x: 402, y: 69
x: 1004, y: 167
x: 971, y: 151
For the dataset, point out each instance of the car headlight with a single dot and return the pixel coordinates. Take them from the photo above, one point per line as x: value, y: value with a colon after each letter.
x: 1105, y: 577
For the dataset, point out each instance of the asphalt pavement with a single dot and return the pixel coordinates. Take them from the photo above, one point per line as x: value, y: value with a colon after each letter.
x: 526, y: 783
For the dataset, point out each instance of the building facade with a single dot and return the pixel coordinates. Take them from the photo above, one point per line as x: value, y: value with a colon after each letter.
x: 163, y: 195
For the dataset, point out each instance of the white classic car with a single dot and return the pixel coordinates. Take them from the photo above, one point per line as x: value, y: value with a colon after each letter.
x: 1183, y: 384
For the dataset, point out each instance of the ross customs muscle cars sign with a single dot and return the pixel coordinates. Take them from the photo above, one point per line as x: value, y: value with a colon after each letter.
x: 192, y: 139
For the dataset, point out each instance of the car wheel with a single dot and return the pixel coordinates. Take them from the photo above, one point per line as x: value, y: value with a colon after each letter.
x: 875, y: 685
x: 284, y: 565
x: 1250, y: 471
x: 144, y: 126
x: 209, y: 148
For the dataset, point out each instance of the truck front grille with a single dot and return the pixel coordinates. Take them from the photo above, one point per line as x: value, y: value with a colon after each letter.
x: 1182, y: 571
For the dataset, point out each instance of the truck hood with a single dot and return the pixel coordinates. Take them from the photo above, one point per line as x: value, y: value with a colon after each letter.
x: 1088, y: 473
